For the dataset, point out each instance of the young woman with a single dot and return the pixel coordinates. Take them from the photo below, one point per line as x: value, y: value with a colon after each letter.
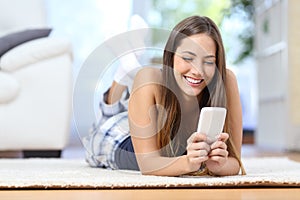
x: 164, y: 108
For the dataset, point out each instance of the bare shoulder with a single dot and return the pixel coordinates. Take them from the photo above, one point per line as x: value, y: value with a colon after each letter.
x: 231, y: 81
x: 230, y: 76
x: 235, y: 108
x: 143, y: 98
x: 150, y: 73
x: 148, y: 76
x: 232, y: 89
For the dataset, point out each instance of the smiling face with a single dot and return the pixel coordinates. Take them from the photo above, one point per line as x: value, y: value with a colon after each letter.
x: 195, y: 63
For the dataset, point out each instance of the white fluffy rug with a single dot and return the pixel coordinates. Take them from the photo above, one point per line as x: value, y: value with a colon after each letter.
x: 66, y: 173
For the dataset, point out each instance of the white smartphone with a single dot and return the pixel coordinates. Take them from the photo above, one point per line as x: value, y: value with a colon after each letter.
x: 211, y: 122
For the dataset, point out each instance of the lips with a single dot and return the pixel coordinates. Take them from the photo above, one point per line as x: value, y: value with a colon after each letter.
x: 193, y: 80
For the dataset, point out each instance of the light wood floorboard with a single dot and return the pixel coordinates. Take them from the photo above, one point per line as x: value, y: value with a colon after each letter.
x: 161, y: 194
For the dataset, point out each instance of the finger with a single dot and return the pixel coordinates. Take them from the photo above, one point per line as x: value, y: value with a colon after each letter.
x: 199, y: 160
x: 202, y: 153
x: 223, y: 137
x: 196, y: 137
x: 218, y: 144
x: 198, y: 146
x: 191, y: 139
x: 218, y: 152
x: 199, y: 153
x: 199, y: 137
x: 218, y: 158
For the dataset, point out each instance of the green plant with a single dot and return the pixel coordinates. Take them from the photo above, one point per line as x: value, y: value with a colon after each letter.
x: 171, y: 12
x: 243, y: 9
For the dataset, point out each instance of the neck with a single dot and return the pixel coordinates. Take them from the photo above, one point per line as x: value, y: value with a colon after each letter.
x: 188, y: 104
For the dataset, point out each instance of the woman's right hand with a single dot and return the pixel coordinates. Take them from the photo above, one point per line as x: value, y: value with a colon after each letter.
x: 197, y: 151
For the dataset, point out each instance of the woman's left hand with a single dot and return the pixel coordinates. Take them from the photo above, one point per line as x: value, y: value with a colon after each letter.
x: 218, y: 154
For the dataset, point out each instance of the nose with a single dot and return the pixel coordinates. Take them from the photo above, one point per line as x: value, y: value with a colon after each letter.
x: 197, y: 69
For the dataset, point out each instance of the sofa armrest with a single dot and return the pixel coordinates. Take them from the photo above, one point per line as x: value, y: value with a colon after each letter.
x: 9, y: 88
x: 33, y: 51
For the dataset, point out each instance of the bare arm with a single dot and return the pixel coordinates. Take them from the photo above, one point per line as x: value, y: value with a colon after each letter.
x: 143, y: 127
x: 235, y: 107
x: 220, y: 163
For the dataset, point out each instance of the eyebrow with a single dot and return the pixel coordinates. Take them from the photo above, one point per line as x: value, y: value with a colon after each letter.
x: 210, y: 56
x: 193, y: 54
x: 189, y: 52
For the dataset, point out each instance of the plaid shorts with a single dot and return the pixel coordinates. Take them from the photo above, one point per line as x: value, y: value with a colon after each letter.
x: 106, y: 134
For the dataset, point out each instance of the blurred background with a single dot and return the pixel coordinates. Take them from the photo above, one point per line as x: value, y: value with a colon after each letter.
x: 259, y: 38
x: 90, y: 23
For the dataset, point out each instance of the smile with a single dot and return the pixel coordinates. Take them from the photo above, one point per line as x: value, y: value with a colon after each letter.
x: 193, y: 81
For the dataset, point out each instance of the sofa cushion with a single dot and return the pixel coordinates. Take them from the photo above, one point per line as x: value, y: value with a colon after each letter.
x: 34, y: 51
x: 9, y: 88
x: 12, y: 40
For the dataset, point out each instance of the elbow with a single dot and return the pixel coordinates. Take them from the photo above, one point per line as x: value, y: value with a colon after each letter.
x: 147, y: 173
x: 152, y: 172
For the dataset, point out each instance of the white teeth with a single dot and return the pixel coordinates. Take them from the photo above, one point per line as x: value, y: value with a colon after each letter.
x: 194, y: 81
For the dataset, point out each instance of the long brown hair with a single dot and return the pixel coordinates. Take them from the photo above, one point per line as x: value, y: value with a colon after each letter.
x: 213, y: 94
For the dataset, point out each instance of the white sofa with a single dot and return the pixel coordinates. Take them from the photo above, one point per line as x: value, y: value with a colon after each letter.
x: 35, y: 85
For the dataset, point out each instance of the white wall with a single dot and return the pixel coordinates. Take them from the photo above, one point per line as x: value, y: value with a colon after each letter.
x: 16, y: 15
x: 277, y: 49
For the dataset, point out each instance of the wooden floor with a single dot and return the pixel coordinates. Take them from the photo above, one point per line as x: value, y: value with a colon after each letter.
x: 160, y: 194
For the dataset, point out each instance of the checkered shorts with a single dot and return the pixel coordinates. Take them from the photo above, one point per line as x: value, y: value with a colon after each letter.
x: 106, y: 134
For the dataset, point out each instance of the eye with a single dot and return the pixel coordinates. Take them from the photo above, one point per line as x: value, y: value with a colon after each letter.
x: 189, y: 59
x: 209, y: 63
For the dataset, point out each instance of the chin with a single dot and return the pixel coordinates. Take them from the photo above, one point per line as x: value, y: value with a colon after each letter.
x: 192, y: 92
